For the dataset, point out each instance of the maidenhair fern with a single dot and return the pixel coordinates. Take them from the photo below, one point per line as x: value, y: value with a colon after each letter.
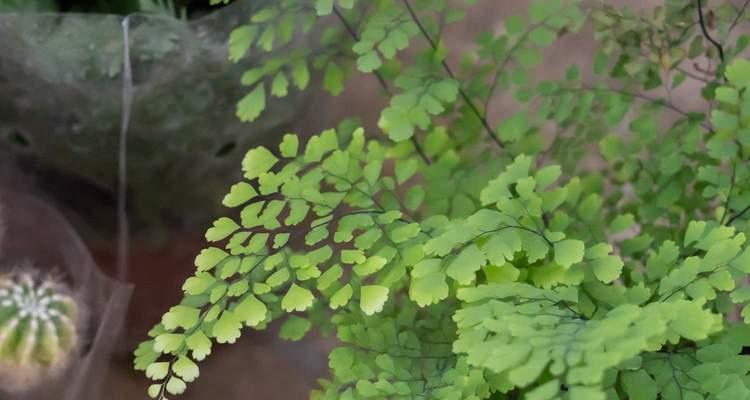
x: 457, y: 257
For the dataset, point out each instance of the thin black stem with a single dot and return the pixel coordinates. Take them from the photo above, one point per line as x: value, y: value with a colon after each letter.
x: 499, y: 71
x: 692, y: 75
x: 738, y: 215
x: 381, y: 80
x: 448, y: 69
x: 729, y: 195
x: 493, y: 87
x: 506, y: 60
x: 163, y: 389
x: 740, y: 14
x: 655, y: 101
x: 708, y: 37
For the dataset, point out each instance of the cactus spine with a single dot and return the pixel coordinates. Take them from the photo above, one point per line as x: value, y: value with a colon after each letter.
x: 38, y: 329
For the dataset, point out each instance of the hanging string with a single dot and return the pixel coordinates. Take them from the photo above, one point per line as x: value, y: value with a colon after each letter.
x: 123, y: 229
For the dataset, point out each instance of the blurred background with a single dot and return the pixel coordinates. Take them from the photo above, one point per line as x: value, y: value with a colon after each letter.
x: 62, y: 64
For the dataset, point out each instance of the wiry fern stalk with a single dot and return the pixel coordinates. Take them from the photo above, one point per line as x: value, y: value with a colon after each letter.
x: 38, y: 329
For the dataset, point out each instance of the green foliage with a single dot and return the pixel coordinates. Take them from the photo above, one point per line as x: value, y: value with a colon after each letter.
x: 27, y: 5
x: 457, y: 257
x: 163, y: 7
x: 182, y: 9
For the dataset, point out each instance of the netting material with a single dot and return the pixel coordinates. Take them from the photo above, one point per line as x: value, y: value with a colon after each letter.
x: 38, y: 235
x: 61, y: 85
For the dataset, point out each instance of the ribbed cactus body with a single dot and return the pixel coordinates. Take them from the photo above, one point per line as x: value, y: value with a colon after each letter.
x: 38, y: 329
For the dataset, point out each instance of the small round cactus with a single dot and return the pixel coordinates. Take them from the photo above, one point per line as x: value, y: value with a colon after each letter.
x: 38, y: 329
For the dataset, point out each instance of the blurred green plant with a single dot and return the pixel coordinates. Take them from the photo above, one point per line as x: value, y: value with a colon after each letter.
x: 27, y: 5
x: 163, y: 7
x: 172, y: 8
x: 591, y: 245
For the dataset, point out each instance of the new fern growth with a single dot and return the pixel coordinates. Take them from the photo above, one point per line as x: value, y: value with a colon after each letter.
x: 456, y: 257
x: 38, y: 329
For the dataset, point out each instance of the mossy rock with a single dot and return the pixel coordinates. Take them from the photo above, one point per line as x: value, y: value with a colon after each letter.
x: 61, y: 85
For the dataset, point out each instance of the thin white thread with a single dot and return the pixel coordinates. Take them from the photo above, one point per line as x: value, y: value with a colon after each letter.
x: 123, y: 229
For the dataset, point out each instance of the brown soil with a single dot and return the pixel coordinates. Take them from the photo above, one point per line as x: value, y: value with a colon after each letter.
x: 259, y: 366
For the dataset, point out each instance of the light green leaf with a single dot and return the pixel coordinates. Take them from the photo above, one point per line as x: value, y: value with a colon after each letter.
x: 694, y: 231
x: 396, y: 123
x: 498, y: 188
x: 607, y: 268
x: 329, y: 277
x: 369, y: 62
x: 227, y: 328
x: 742, y: 262
x: 154, y: 390
x: 352, y: 256
x: 341, y: 297
x: 168, y: 342
x: 372, y: 298
x: 546, y: 391
x: 323, y: 7
x: 209, y: 258
x: 568, y: 252
x: 157, y: 371
x: 257, y: 162
x: 738, y: 72
x: 186, y: 369
x: 297, y: 298
x: 515, y: 24
x: 280, y: 85
x: 278, y: 278
x: 542, y: 36
x: 252, y: 105
x: 294, y: 328
x: 289, y: 146
x: 222, y: 228
x: 300, y: 74
x: 405, y: 169
x: 251, y: 311
x: 722, y: 280
x: 429, y: 289
x: 370, y: 266
x: 199, y: 344
x: 240, y: 40
x: 405, y: 232
x: 180, y: 316
x: 333, y: 80
x: 728, y: 95
x: 463, y: 268
x: 547, y: 175
x: 252, y: 76
x: 239, y: 194
x: 176, y: 386
x: 622, y: 222
x: 198, y: 284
